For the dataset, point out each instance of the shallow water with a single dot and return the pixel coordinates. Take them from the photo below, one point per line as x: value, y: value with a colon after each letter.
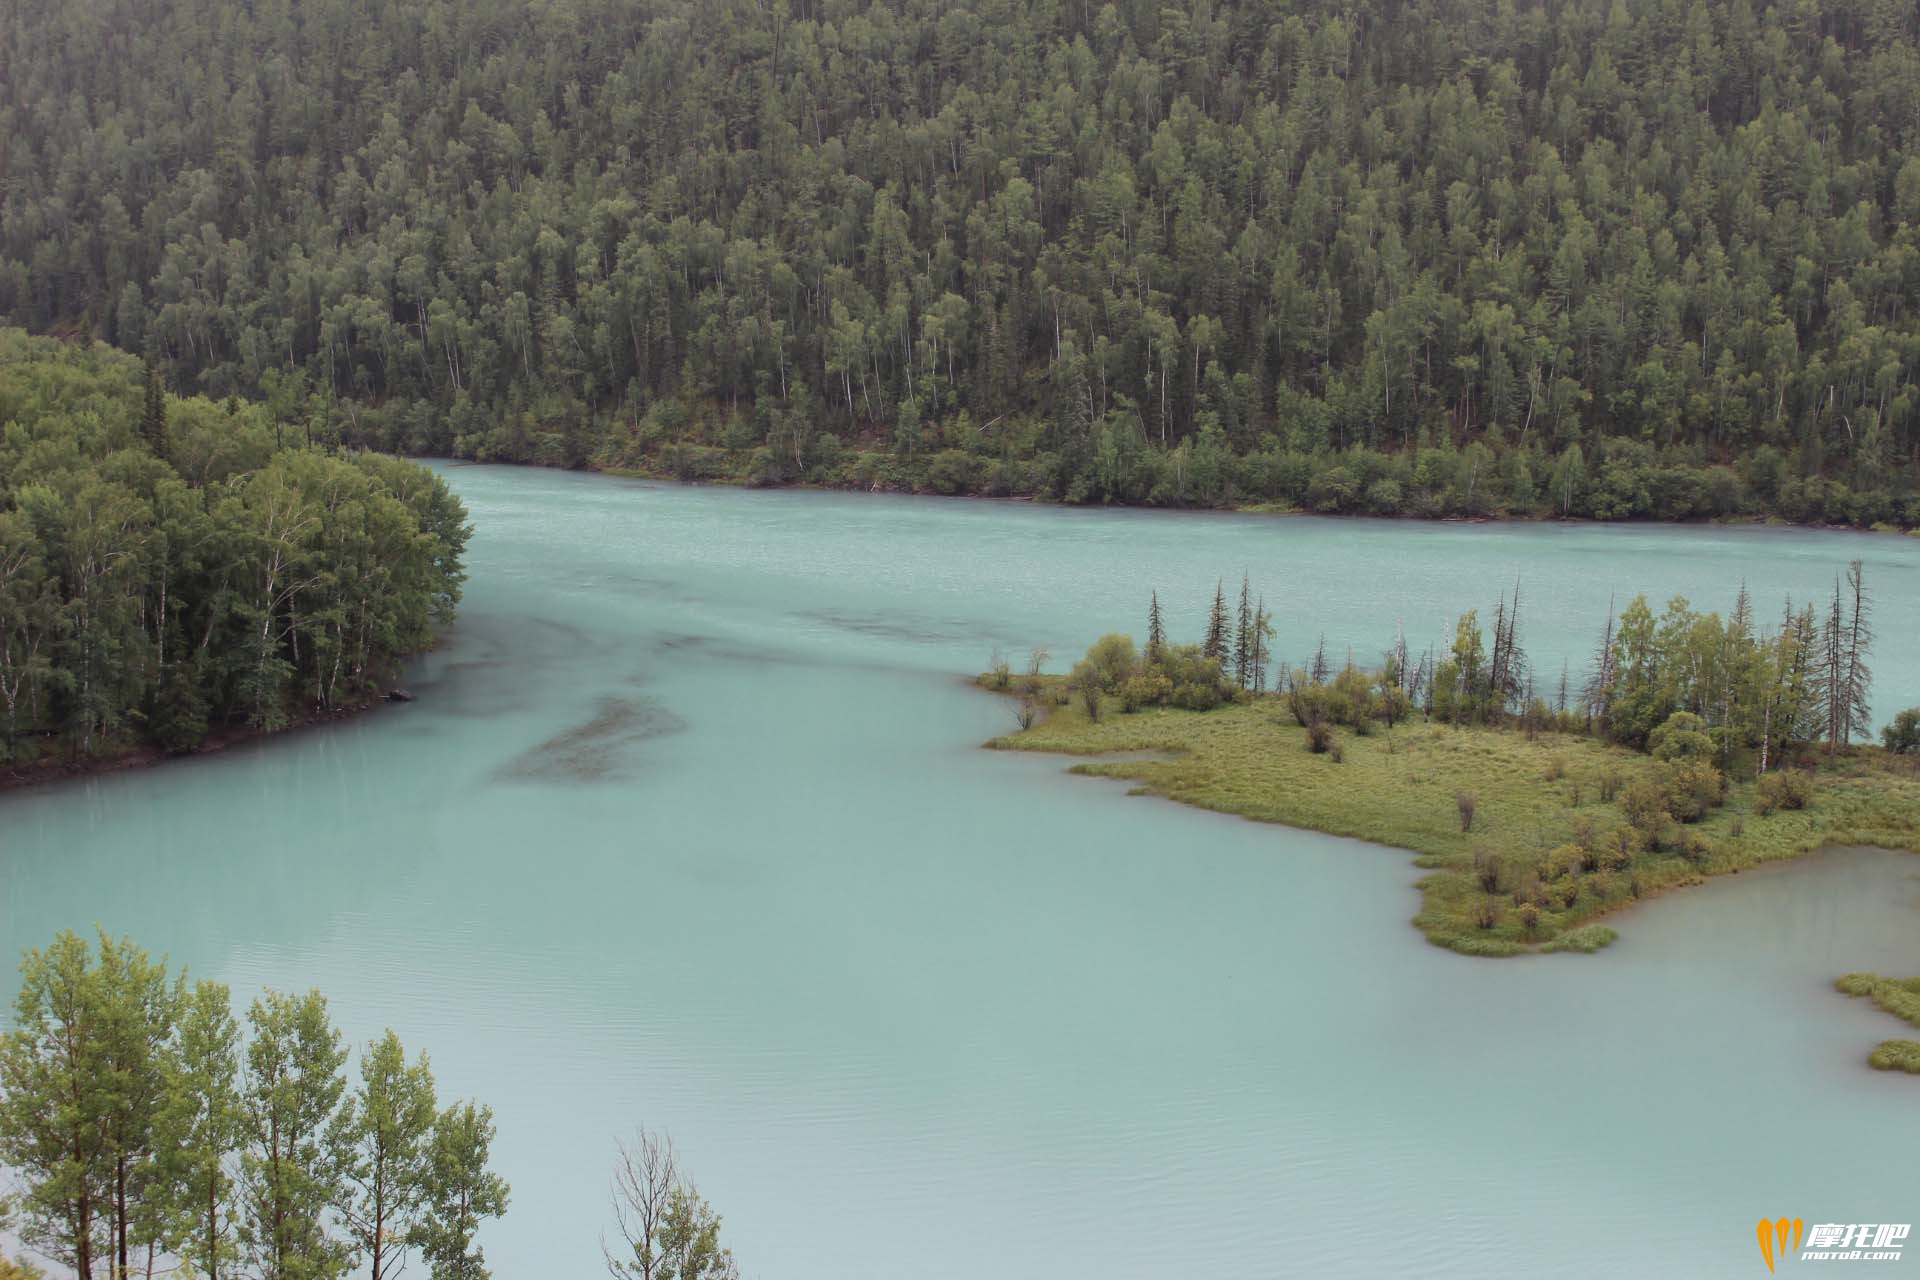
x: 689, y: 828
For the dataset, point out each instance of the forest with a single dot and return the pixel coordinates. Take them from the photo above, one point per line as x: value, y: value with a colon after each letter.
x: 171, y: 567
x: 1595, y: 258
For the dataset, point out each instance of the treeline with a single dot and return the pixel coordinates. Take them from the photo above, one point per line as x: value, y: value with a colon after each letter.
x: 1606, y: 258
x: 148, y: 1132
x: 1755, y: 695
x: 169, y: 566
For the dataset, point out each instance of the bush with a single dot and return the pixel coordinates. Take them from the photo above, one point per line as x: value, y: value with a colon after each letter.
x: 1693, y: 788
x: 1645, y: 804
x: 1150, y: 690
x: 1787, y: 789
x: 1468, y: 804
x: 1902, y: 737
x: 1488, y: 870
x: 1682, y: 737
x: 1896, y: 1055
x: 1319, y: 737
x: 1529, y: 919
x: 1113, y: 661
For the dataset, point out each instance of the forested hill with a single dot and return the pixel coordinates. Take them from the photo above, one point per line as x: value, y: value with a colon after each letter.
x: 169, y: 567
x: 1609, y: 258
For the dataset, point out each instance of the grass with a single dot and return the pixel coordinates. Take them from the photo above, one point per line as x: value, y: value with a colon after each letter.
x: 1543, y: 860
x: 1899, y: 997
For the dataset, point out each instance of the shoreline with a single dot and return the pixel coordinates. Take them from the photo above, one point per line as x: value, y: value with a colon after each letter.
x: 52, y: 773
x: 1281, y: 510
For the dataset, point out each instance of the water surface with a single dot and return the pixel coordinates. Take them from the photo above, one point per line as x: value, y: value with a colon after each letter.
x: 689, y: 828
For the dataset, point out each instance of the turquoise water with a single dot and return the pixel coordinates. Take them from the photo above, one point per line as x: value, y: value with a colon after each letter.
x: 689, y: 828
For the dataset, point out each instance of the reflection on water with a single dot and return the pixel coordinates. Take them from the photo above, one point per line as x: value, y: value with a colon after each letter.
x: 908, y: 1006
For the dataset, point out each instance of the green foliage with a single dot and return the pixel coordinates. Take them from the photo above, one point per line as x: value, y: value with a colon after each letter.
x: 147, y: 597
x: 1464, y: 261
x: 1902, y: 735
x: 460, y: 1192
x: 1787, y: 789
x: 1681, y: 736
x: 1112, y: 661
x: 127, y: 1119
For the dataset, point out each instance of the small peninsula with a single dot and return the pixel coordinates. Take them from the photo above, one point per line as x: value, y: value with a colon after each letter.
x: 1698, y: 747
x: 176, y: 572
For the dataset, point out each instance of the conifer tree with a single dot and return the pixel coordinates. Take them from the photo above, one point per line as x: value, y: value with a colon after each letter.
x: 1218, y: 626
x: 1156, y: 632
x: 1243, y: 637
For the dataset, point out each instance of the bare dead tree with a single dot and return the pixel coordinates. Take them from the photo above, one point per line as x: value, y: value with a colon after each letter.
x: 644, y: 1182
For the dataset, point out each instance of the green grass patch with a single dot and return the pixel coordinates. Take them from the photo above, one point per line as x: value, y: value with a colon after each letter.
x: 1586, y: 939
x: 1896, y: 1055
x: 1545, y: 857
x: 1899, y: 997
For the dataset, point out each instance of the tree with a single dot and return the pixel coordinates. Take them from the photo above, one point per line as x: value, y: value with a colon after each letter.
x: 1243, y: 636
x: 297, y: 1145
x: 644, y: 1180
x: 1156, y: 631
x: 54, y: 1103
x: 135, y: 1012
x: 153, y: 413
x: 1218, y: 626
x: 201, y: 1124
x: 387, y: 1130
x: 460, y: 1192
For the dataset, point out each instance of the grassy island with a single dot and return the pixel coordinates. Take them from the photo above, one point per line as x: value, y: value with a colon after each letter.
x: 1698, y: 748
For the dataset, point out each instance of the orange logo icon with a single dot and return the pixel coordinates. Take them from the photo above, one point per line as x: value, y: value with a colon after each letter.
x: 1783, y: 1236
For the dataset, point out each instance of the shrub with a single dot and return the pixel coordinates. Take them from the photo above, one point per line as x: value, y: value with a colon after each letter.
x: 1693, y: 788
x: 1026, y: 711
x: 1486, y: 915
x: 1001, y: 671
x: 1529, y: 919
x: 1149, y: 690
x: 1487, y: 870
x: 1902, y: 737
x: 1468, y: 804
x: 1086, y: 686
x: 1645, y: 804
x: 1556, y: 769
x: 1336, y: 752
x: 1787, y: 789
x: 1113, y: 661
x: 1682, y: 737
x: 1319, y: 737
x: 1609, y: 785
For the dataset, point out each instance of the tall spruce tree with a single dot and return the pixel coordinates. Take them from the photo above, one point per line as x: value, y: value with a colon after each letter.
x: 1219, y: 626
x: 1156, y: 631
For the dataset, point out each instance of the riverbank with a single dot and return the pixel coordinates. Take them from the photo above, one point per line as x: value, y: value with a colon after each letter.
x: 1522, y: 833
x: 890, y: 475
x: 19, y: 777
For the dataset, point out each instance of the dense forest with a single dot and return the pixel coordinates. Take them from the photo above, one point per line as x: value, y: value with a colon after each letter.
x: 1597, y: 258
x: 170, y: 566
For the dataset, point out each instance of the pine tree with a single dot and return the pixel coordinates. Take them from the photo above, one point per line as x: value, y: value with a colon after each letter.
x: 1243, y: 640
x: 1318, y: 670
x: 1215, y: 645
x: 1262, y: 651
x: 1856, y: 678
x: 1156, y: 632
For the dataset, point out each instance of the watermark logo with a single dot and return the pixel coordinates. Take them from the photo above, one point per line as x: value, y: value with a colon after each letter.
x: 1831, y: 1241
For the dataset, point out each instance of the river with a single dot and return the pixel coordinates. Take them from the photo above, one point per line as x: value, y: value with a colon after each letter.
x: 689, y: 828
